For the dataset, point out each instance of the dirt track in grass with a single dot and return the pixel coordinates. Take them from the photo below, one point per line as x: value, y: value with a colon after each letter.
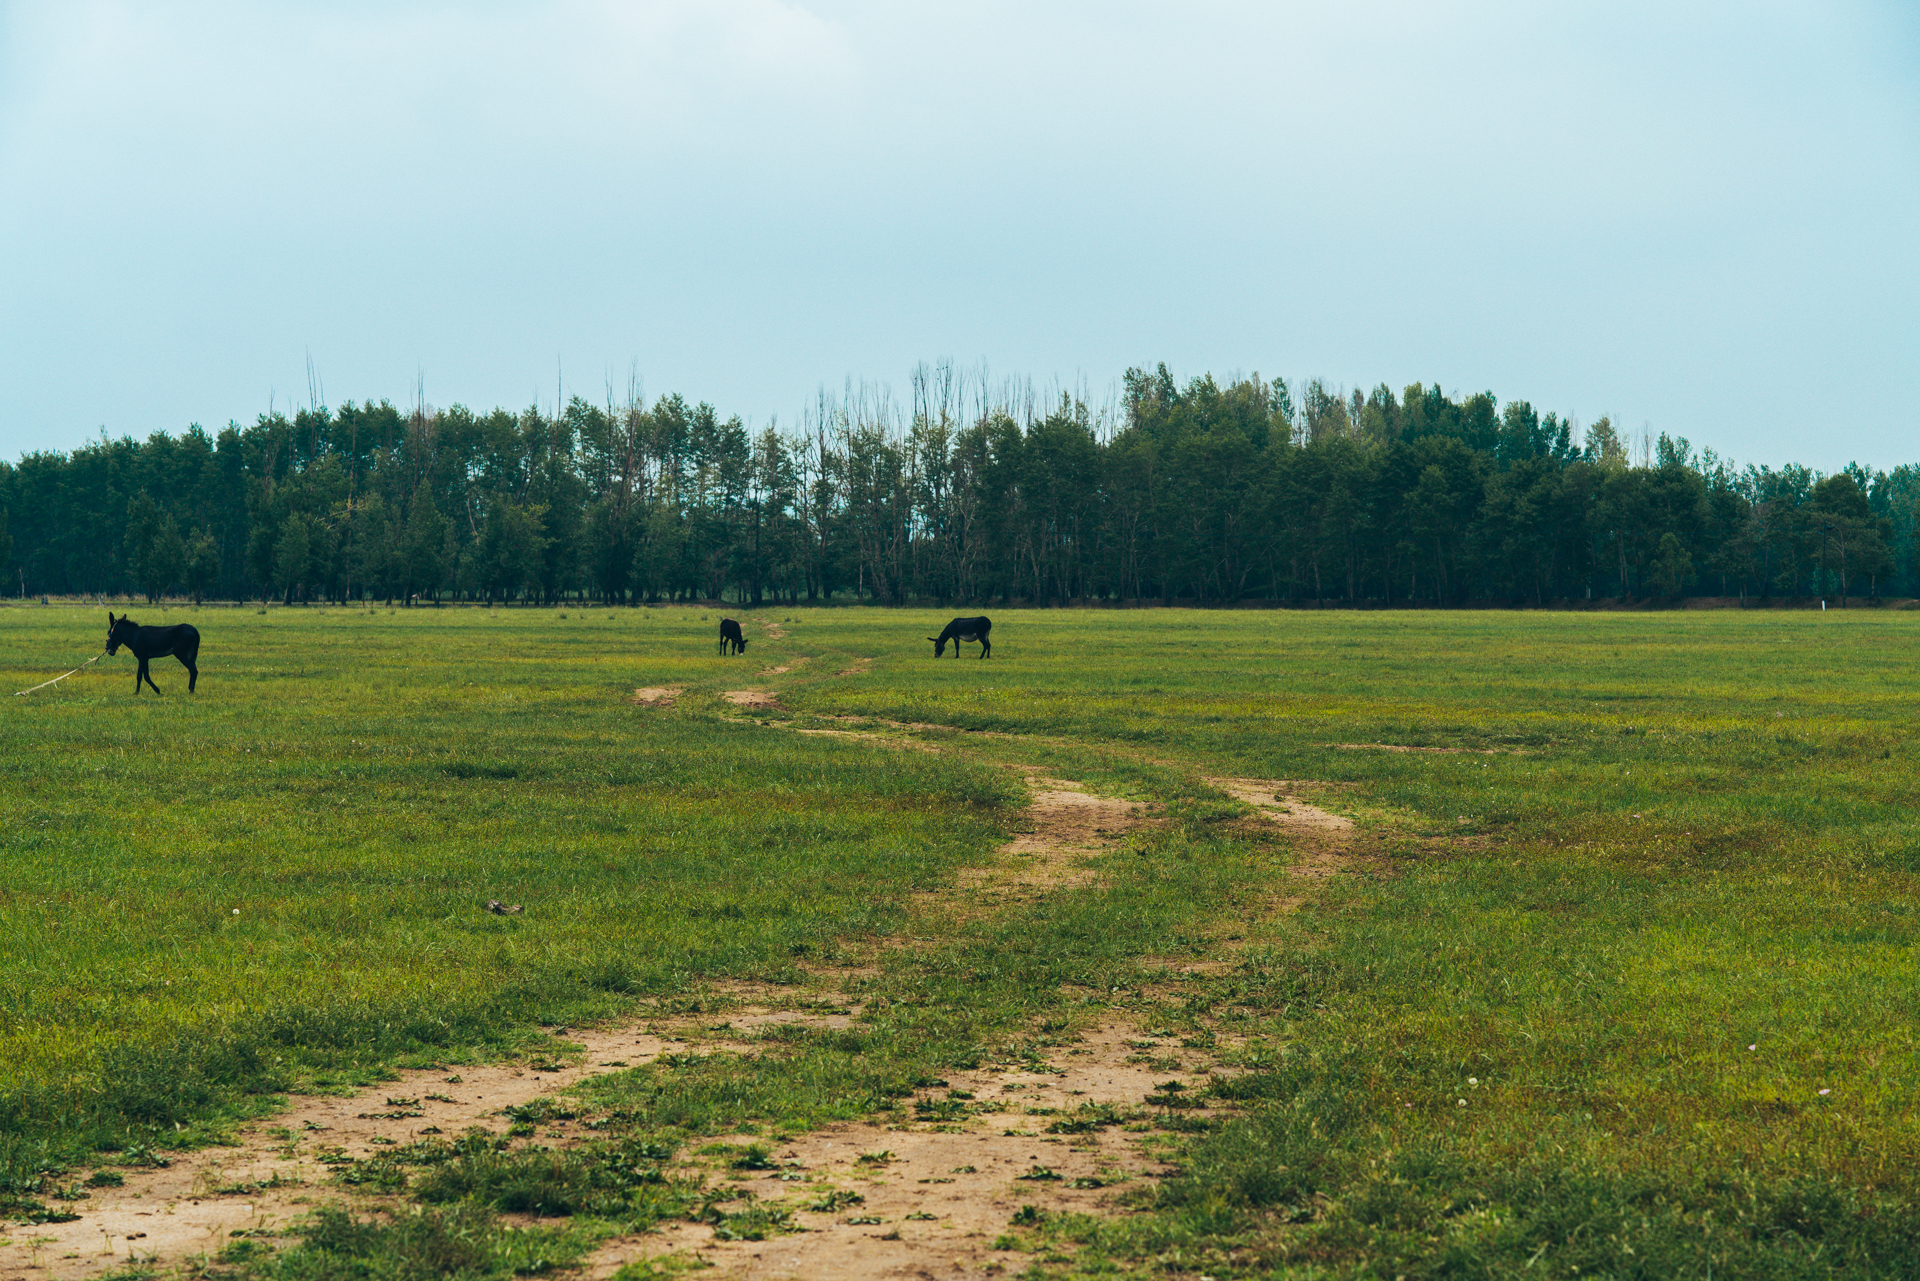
x: 933, y: 1196
x: 278, y: 1168
x: 929, y: 1200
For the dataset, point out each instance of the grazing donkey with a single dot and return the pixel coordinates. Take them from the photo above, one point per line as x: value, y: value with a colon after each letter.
x: 964, y: 629
x: 730, y: 635
x: 180, y: 640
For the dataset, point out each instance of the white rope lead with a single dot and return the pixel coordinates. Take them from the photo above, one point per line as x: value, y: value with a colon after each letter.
x: 62, y: 676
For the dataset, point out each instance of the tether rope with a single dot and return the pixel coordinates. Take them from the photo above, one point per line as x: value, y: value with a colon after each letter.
x: 62, y: 676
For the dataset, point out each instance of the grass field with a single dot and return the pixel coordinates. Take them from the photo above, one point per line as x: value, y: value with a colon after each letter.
x: 1627, y: 987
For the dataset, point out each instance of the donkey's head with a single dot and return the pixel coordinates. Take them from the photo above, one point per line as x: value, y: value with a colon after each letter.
x: 939, y: 644
x: 119, y: 631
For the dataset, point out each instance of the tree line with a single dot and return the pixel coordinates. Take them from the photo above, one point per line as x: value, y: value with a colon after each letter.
x: 1211, y: 492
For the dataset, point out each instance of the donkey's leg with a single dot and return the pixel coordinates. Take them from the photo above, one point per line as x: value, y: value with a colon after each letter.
x: 187, y: 656
x: 146, y: 676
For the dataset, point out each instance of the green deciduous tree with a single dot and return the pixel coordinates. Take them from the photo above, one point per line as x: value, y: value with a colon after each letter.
x: 202, y: 564
x: 1672, y: 566
x: 293, y: 560
x: 156, y: 555
x: 511, y: 552
x: 1215, y: 490
x: 1849, y: 539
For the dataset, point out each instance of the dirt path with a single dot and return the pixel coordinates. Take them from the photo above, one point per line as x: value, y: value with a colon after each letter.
x: 1066, y: 825
x: 1322, y: 841
x: 935, y: 1194
x: 927, y: 1201
x: 885, y: 740
x: 1443, y: 751
x: 930, y: 1197
x: 279, y: 1168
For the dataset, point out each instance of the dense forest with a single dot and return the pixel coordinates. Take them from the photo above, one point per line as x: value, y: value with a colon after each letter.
x: 1210, y: 493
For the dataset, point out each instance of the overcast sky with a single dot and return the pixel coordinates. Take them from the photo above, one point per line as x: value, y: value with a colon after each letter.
x: 1702, y: 217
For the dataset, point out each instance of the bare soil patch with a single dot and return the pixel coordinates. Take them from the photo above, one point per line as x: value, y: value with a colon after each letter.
x: 934, y: 1195
x: 921, y: 727
x: 1442, y: 751
x: 658, y: 695
x: 279, y: 1168
x: 1323, y: 840
x: 1067, y: 825
x: 1277, y: 805
x: 886, y: 740
x: 755, y: 700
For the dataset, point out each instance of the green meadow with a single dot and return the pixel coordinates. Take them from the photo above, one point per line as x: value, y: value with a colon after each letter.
x: 1622, y: 984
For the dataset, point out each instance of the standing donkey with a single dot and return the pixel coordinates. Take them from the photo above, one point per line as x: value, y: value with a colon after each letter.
x: 180, y: 640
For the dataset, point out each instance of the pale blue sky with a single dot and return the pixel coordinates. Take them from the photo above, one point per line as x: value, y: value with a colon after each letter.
x: 1698, y: 216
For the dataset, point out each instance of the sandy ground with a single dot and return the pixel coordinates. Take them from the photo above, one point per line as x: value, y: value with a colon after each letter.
x: 658, y: 695
x: 942, y: 1193
x: 275, y: 1172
